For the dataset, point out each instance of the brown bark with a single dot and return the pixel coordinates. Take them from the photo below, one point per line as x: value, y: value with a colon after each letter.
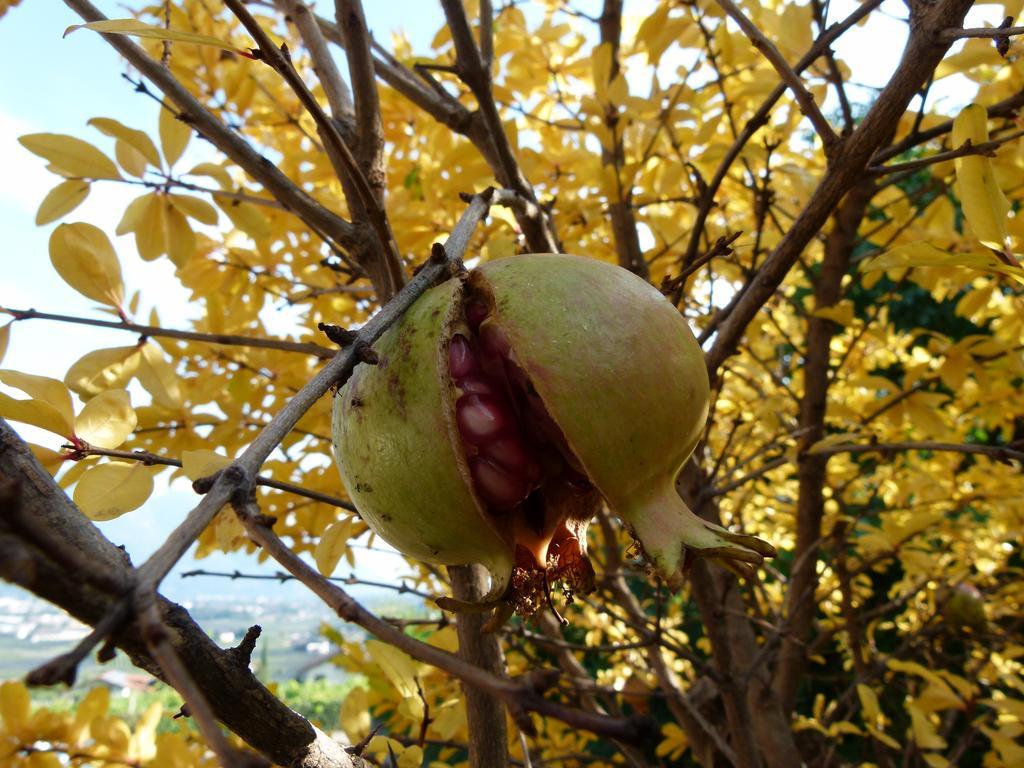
x: 757, y: 724
x: 800, y: 596
x: 620, y: 209
x: 847, y: 165
x: 64, y: 559
x: 485, y: 714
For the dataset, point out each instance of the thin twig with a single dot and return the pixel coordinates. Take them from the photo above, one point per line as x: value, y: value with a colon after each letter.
x: 788, y: 75
x: 951, y: 35
x: 191, y: 111
x: 280, y: 61
x: 518, y: 695
x: 226, y: 339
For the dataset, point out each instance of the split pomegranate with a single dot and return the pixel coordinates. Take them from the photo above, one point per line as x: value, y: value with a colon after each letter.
x: 507, y: 405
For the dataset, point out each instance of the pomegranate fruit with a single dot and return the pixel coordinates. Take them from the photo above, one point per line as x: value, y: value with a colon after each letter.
x: 505, y: 405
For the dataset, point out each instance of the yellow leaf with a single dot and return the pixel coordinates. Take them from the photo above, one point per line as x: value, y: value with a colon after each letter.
x: 399, y: 669
x: 43, y: 760
x: 137, y: 28
x: 5, y: 339
x: 36, y: 413
x: 92, y: 706
x: 411, y: 757
x: 332, y: 545
x: 180, y: 239
x: 62, y: 200
x: 158, y: 378
x: 15, y: 705
x: 172, y: 752
x: 138, y: 140
x: 984, y: 204
x: 935, y: 698
x: 151, y: 228
x: 174, y: 136
x: 215, y: 172
x: 107, y: 419
x: 354, y: 716
x: 674, y: 743
x: 130, y: 159
x: 248, y: 218
x: 832, y: 440
x: 71, y: 156
x: 601, y: 66
x: 144, y: 739
x: 923, y: 730
x: 924, y: 254
x: 198, y: 209
x: 103, y: 369
x: 83, y: 256
x: 871, y: 712
x: 51, y: 461
x: 202, y: 463
x: 109, y: 490
x: 975, y: 300
x: 133, y: 214
x: 841, y: 313
x: 43, y: 391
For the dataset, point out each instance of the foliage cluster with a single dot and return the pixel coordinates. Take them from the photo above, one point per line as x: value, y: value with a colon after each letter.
x: 867, y: 418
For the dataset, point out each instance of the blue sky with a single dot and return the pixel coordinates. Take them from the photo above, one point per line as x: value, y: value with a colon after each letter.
x: 56, y: 85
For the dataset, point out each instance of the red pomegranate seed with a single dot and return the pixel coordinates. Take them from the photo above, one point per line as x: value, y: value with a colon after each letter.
x: 509, y: 452
x: 475, y: 384
x: 498, y: 486
x: 481, y: 417
x: 461, y: 361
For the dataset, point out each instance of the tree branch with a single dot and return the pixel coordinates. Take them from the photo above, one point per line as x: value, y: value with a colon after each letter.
x: 986, y: 148
x: 620, y: 209
x: 539, y: 234
x: 227, y: 141
x: 522, y: 696
x: 226, y: 339
x: 789, y: 77
x: 810, y: 508
x: 952, y: 35
x: 848, y: 164
x: 999, y: 453
x: 383, y: 263
x: 40, y: 514
x: 760, y: 118
x: 485, y: 714
x: 339, y: 98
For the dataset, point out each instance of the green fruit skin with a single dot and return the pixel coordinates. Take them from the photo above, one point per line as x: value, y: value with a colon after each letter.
x: 399, y: 453
x: 614, y: 362
x: 618, y: 370
x: 621, y: 373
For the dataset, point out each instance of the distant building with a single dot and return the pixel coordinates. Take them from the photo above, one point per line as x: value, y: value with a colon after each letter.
x: 126, y: 683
